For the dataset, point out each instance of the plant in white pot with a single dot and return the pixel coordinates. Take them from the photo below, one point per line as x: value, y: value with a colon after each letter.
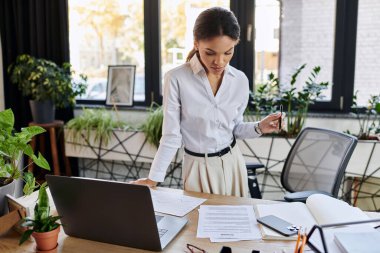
x: 44, y: 226
x: 46, y: 84
x: 12, y: 146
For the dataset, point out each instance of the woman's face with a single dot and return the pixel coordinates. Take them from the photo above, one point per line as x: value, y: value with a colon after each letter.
x: 215, y: 53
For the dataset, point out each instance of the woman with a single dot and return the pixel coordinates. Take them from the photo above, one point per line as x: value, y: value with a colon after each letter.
x: 203, y: 101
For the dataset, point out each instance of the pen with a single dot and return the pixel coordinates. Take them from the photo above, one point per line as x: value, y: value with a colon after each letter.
x: 298, y: 241
x: 280, y: 120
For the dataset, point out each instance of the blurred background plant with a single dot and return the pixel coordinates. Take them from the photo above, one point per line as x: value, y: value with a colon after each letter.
x: 42, y: 80
x: 99, y: 120
x: 153, y: 124
x: 368, y: 118
x: 268, y: 97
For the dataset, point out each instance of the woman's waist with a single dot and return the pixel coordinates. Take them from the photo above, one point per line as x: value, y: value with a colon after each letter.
x: 207, y: 144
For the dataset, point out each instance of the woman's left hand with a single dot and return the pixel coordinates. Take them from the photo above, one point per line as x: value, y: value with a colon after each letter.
x: 270, y: 123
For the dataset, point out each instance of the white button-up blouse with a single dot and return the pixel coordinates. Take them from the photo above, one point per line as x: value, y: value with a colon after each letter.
x: 194, y: 117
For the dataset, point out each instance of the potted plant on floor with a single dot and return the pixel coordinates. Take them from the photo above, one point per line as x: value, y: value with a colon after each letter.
x: 43, y: 227
x: 12, y: 146
x: 46, y: 84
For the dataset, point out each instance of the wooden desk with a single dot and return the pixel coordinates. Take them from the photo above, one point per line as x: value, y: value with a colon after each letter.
x: 9, y: 242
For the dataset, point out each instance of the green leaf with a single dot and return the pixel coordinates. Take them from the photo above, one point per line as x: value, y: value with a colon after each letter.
x: 25, y: 236
x: 41, y: 161
x: 7, y: 120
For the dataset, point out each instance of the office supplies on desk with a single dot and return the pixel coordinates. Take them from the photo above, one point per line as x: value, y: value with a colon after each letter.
x: 279, y: 225
x: 322, y: 238
x: 301, y: 240
x: 111, y: 212
x: 227, y: 223
x: 319, y: 209
x: 174, y: 203
x: 367, y: 242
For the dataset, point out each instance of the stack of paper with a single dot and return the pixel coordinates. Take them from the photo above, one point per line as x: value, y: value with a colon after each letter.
x: 227, y: 223
x: 174, y: 203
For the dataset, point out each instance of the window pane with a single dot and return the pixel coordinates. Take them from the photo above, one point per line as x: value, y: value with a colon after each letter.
x: 307, y: 36
x: 367, y: 51
x: 177, y: 21
x: 104, y: 33
x: 267, y: 25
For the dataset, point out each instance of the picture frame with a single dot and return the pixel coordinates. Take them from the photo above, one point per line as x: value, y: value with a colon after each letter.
x: 120, y: 85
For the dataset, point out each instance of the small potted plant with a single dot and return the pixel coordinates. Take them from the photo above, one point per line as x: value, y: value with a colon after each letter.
x: 368, y: 118
x: 295, y: 101
x: 12, y: 146
x: 44, y: 226
x: 46, y: 85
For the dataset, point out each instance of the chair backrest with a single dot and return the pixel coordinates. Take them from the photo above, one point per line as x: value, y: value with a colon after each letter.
x: 317, y: 161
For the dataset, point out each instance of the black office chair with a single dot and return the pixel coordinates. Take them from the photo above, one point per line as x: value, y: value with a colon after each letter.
x: 315, y: 164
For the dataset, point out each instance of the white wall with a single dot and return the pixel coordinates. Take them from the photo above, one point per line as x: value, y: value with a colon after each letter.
x: 1, y: 80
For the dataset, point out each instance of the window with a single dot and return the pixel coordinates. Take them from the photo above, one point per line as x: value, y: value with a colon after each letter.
x: 106, y: 33
x: 267, y: 23
x: 157, y: 36
x: 177, y: 21
x: 307, y: 36
x: 367, y: 51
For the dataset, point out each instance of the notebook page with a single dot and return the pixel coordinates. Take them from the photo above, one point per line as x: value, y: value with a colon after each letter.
x: 326, y: 210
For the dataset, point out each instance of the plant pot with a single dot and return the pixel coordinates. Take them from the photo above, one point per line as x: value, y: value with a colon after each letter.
x: 46, y: 240
x: 42, y: 111
x: 4, y: 190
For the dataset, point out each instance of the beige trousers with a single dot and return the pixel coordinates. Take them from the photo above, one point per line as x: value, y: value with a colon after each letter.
x: 226, y: 175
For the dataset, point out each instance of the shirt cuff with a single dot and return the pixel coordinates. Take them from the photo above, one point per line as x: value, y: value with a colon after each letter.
x: 157, y: 176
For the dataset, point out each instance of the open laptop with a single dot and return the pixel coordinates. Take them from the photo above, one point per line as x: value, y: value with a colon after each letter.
x: 111, y: 212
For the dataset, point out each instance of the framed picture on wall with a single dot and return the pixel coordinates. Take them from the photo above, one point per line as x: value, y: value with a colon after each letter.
x: 120, y: 85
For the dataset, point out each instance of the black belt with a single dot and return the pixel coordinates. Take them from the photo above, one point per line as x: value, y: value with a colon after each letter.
x: 219, y: 153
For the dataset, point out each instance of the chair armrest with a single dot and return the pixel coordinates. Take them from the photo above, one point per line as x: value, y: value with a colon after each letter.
x: 302, y: 196
x: 251, y: 167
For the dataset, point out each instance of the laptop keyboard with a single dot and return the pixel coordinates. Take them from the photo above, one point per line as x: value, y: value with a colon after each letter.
x: 162, y: 231
x: 158, y: 218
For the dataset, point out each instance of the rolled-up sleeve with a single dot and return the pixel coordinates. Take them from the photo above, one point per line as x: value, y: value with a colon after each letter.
x: 171, y: 138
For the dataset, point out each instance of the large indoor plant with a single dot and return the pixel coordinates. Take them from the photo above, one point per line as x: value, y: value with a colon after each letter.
x: 46, y: 85
x: 12, y: 146
x: 44, y: 226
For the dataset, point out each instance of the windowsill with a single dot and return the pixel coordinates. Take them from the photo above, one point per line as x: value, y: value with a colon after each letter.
x: 109, y: 107
x: 331, y: 115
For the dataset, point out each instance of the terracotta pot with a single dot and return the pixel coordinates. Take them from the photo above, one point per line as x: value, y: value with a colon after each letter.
x: 47, y: 240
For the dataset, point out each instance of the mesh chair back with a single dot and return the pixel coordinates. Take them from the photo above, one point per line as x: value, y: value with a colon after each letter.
x: 317, y: 161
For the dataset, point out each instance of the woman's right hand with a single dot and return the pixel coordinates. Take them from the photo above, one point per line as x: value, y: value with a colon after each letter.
x: 144, y: 181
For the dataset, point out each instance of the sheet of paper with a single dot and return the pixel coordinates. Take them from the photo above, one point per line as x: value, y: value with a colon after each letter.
x: 174, y: 203
x: 227, y: 223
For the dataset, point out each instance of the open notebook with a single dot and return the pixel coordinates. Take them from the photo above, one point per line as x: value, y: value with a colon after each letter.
x: 319, y: 209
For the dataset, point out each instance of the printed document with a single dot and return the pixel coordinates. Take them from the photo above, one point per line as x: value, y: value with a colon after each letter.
x: 227, y: 223
x: 174, y: 203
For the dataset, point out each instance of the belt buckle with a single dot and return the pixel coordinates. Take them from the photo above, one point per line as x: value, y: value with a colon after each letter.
x: 220, y: 153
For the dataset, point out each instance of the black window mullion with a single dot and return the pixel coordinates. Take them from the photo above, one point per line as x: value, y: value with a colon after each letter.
x: 244, y: 51
x: 152, y: 51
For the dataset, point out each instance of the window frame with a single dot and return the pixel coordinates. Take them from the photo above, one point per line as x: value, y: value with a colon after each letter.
x: 343, y: 65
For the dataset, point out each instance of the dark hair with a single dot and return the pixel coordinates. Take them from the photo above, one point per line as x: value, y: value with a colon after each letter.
x: 213, y: 22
